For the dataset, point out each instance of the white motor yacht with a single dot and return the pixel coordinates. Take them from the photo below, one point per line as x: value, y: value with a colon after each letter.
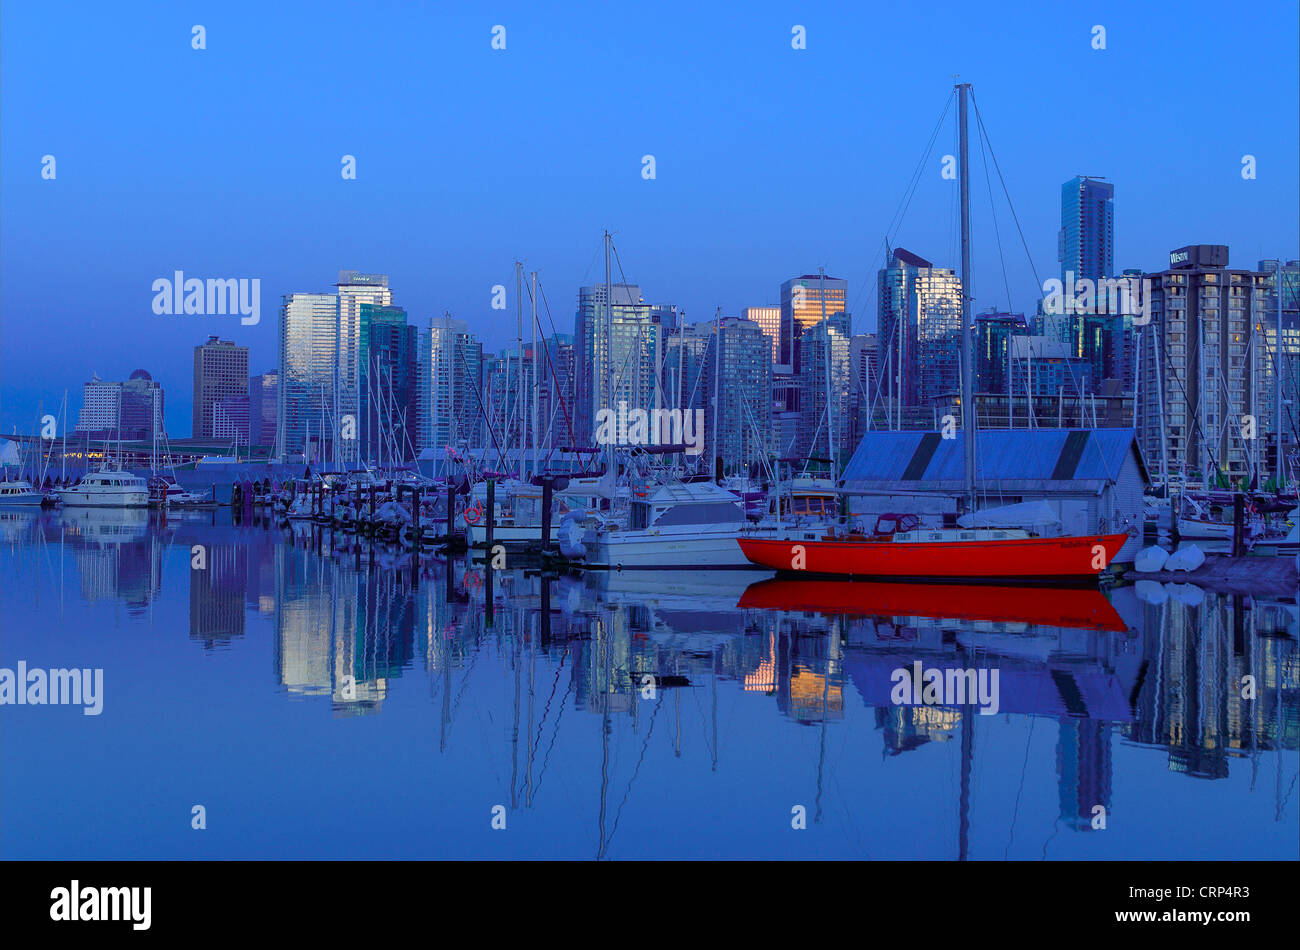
x: 20, y: 494
x: 107, y: 490
x: 681, y: 525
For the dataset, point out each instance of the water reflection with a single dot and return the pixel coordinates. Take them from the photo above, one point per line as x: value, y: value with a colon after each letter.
x: 690, y: 674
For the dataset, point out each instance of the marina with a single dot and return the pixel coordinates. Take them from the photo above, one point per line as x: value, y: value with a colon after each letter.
x: 506, y: 452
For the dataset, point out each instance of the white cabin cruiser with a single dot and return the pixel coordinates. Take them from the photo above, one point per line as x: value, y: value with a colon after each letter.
x: 682, y: 525
x: 20, y: 494
x: 107, y: 490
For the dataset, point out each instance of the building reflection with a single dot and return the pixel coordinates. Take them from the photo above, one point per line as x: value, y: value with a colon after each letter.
x: 1195, y: 700
x: 344, y: 628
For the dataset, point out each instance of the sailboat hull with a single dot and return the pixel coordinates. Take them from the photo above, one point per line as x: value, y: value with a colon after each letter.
x: 1021, y: 558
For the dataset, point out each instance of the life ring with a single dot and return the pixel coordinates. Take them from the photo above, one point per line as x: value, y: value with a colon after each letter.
x: 473, y: 580
x: 476, y: 512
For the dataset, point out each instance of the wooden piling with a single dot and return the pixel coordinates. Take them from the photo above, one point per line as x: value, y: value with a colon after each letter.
x: 415, y: 516
x: 1238, y: 524
x: 451, y: 516
x: 548, y: 497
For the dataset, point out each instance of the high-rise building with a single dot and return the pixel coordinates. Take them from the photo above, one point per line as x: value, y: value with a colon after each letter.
x: 386, y: 381
x: 737, y: 370
x: 684, y: 353
x: 801, y: 308
x: 864, y: 376
x: 262, y: 408
x: 769, y: 319
x: 918, y: 330
x: 555, y: 398
x: 101, y: 406
x: 231, y: 420
x: 142, y: 407
x: 1044, y: 366
x: 993, y: 332
x: 1282, y: 360
x: 220, y: 370
x: 132, y: 411
x: 450, y: 386
x: 1201, y: 373
x: 309, y: 325
x: 1086, y: 243
x: 814, y: 422
x: 626, y: 369
x: 353, y: 290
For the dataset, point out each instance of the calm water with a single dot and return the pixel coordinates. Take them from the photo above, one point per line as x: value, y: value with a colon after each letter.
x: 333, y: 705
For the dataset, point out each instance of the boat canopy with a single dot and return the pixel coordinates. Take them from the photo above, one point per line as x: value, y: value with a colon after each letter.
x: 1026, y: 514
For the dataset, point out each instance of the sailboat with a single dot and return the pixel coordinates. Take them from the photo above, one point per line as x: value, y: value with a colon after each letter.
x: 900, y: 547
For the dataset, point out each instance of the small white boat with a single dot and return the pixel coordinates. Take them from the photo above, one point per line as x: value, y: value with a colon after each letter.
x: 177, y: 497
x: 107, y: 490
x: 1202, y: 529
x: 1288, y: 546
x: 20, y: 494
x: 683, y: 525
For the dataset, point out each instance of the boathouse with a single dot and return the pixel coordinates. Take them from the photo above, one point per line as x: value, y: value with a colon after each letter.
x: 1092, y: 479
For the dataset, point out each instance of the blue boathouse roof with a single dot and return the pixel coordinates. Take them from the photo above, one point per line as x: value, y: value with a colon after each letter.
x: 1002, y: 454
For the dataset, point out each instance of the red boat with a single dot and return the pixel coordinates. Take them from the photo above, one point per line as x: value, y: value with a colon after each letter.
x: 901, y: 548
x: 1045, y: 606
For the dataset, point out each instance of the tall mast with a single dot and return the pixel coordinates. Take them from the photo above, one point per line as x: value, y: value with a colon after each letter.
x: 532, y: 364
x: 826, y: 329
x: 607, y: 375
x: 1280, y: 475
x: 965, y: 364
x: 717, y: 372
x: 519, y: 363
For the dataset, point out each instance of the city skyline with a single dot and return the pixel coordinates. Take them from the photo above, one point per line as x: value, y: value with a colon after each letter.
x: 446, y: 237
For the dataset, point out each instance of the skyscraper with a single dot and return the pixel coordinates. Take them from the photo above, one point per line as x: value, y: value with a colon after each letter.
x: 1281, y: 361
x: 262, y: 409
x: 737, y: 367
x: 353, y: 290
x: 629, y: 371
x: 220, y: 370
x: 555, y: 399
x: 801, y: 308
x: 309, y: 326
x: 142, y: 407
x: 918, y: 330
x: 993, y: 332
x: 684, y: 353
x: 1086, y: 243
x: 769, y: 320
x: 386, y: 380
x: 814, y: 423
x: 449, y: 388
x: 1201, y: 362
x: 864, y: 380
x: 132, y: 410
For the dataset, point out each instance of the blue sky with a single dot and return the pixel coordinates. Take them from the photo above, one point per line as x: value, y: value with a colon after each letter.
x: 770, y: 161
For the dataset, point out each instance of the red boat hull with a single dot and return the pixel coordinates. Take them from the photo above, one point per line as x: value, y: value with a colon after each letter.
x: 1023, y: 558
